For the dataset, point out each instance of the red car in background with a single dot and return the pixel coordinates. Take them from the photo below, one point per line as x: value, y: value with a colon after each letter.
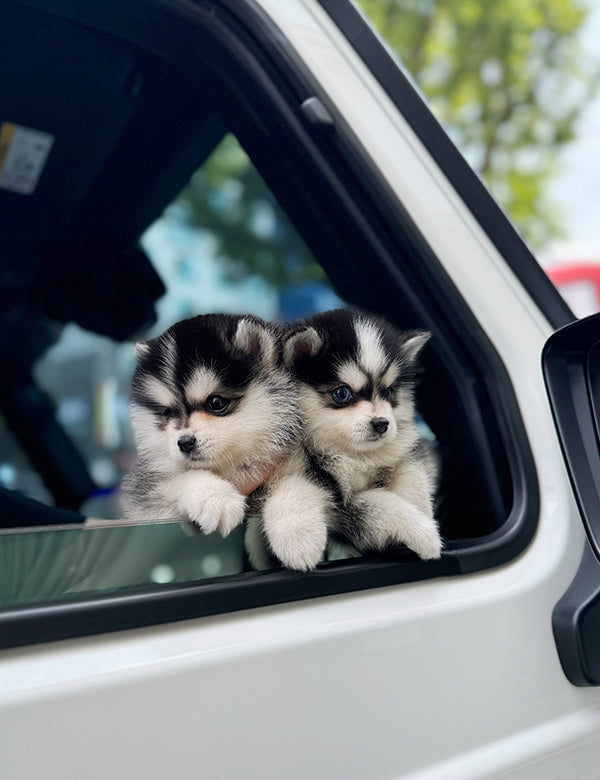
x: 579, y: 284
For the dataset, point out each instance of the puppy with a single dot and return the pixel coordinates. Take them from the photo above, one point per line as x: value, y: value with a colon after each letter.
x: 215, y: 416
x: 356, y: 375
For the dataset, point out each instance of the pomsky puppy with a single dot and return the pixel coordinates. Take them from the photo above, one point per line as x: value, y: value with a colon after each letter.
x: 215, y: 415
x: 356, y: 377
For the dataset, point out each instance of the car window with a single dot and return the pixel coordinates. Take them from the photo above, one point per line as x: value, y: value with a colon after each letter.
x: 217, y: 187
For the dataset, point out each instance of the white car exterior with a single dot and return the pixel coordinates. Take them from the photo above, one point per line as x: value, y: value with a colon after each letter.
x: 449, y: 678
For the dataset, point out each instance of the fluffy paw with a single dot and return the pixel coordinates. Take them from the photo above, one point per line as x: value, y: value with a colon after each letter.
x: 388, y: 520
x: 423, y: 536
x: 216, y: 508
x: 298, y: 546
x: 295, y: 523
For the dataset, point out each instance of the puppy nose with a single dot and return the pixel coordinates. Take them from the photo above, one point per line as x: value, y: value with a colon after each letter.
x: 379, y: 425
x: 186, y: 443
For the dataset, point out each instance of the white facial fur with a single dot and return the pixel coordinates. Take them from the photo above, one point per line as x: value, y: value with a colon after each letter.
x: 202, y: 383
x: 223, y: 442
x: 371, y: 353
x: 349, y: 429
x: 260, y: 421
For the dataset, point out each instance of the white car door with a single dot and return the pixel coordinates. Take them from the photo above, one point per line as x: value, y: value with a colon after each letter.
x: 368, y: 667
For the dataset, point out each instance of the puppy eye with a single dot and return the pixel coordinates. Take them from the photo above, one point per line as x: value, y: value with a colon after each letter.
x: 387, y: 393
x: 217, y: 404
x: 342, y: 395
x: 166, y: 411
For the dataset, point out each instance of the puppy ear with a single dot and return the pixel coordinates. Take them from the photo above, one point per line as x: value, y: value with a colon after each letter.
x: 414, y: 343
x: 141, y: 348
x: 306, y: 342
x: 255, y: 339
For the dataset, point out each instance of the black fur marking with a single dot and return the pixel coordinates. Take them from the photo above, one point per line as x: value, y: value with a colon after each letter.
x: 337, y: 328
x: 143, y: 481
x: 203, y: 341
x: 161, y: 422
x: 367, y: 392
x: 318, y: 471
x: 340, y: 344
x: 383, y: 477
x: 349, y: 519
x: 350, y: 526
x: 388, y: 393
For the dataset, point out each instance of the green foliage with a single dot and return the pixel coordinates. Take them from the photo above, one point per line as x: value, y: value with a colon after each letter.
x: 508, y: 79
x: 228, y: 198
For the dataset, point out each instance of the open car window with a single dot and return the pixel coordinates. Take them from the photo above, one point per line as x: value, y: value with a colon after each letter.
x: 219, y: 178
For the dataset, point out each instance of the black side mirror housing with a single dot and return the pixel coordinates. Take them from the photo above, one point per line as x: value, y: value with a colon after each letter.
x: 571, y: 366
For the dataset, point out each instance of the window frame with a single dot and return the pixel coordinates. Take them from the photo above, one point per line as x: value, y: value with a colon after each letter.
x: 341, y: 167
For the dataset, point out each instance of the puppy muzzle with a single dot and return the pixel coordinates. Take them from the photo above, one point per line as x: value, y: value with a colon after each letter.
x: 191, y: 448
x: 378, y: 427
x: 187, y: 443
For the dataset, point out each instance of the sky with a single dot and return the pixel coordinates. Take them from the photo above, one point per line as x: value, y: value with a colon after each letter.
x: 577, y: 187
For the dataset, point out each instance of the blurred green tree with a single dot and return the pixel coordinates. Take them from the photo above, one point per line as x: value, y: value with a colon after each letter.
x: 508, y: 80
x: 228, y: 198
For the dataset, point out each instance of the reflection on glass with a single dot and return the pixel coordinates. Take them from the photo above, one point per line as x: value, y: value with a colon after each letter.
x: 55, y: 564
x: 46, y: 565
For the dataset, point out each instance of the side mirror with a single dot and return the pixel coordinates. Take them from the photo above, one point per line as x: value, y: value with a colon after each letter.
x: 571, y: 366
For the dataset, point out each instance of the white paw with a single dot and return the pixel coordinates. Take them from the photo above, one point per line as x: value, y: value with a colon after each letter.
x: 423, y: 537
x: 299, y: 546
x: 217, y: 508
x: 392, y: 520
x: 295, y: 523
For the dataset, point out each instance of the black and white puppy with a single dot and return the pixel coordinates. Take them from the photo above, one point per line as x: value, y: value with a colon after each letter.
x: 215, y: 415
x: 356, y: 375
